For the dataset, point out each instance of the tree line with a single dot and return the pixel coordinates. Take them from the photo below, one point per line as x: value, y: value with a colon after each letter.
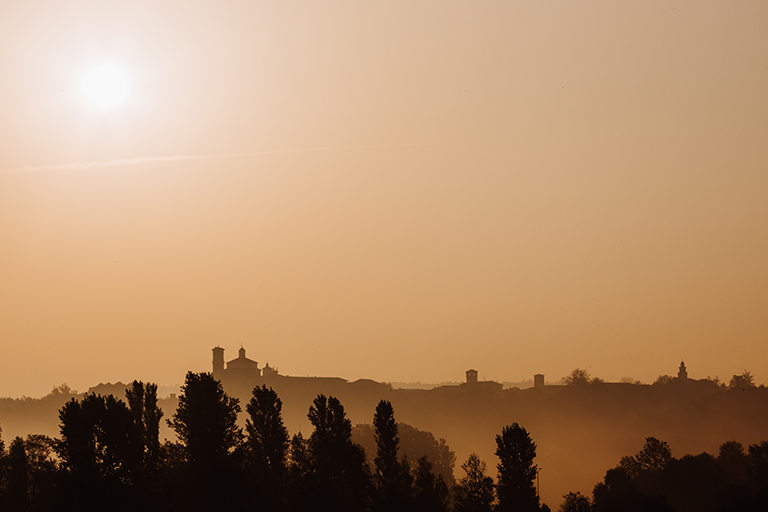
x: 109, y: 457
x: 580, y: 377
x: 654, y: 481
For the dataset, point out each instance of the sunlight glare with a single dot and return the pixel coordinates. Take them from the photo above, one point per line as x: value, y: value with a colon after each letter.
x: 105, y: 85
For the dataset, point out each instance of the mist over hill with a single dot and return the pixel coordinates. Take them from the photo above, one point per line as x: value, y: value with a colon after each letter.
x: 580, y: 429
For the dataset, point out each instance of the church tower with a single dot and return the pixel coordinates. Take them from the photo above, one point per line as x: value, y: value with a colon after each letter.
x: 682, y: 373
x: 218, y: 362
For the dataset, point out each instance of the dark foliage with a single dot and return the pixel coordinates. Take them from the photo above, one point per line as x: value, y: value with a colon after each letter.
x: 413, y: 445
x: 18, y: 477
x: 654, y: 480
x: 430, y: 492
x: 517, y: 472
x: 742, y: 382
x: 267, y: 450
x: 474, y: 492
x: 98, y: 447
x: 142, y: 402
x: 575, y: 502
x: 300, y: 478
x: 392, y: 477
x: 145, y: 453
x: 206, y: 424
x: 206, y: 420
x: 110, y: 458
x: 578, y: 377
x: 340, y: 472
x: 28, y: 475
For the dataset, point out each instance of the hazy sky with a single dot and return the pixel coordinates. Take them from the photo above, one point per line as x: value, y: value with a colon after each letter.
x: 422, y: 187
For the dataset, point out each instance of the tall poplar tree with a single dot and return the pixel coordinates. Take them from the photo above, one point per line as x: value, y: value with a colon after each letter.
x: 146, y: 415
x: 18, y: 477
x: 392, y: 478
x: 517, y: 472
x: 340, y: 470
x: 206, y: 424
x: 267, y: 448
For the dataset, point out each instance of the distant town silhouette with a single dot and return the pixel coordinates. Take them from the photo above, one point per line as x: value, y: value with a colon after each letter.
x: 245, y: 437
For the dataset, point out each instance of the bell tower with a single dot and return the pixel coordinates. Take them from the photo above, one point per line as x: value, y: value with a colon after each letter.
x: 218, y: 362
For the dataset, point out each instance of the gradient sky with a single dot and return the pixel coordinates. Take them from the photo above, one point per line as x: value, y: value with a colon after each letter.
x: 391, y: 190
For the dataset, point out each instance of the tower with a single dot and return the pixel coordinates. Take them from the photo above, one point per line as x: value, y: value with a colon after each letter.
x: 682, y: 373
x: 218, y: 362
x: 471, y: 376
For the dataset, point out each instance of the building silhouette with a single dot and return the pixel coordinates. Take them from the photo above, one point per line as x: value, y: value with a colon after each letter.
x: 474, y: 385
x: 240, y: 375
x: 241, y: 368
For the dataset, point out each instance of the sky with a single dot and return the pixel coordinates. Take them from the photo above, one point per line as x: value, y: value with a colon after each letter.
x: 392, y: 190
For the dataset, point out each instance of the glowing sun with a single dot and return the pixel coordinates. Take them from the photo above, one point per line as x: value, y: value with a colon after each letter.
x: 105, y: 85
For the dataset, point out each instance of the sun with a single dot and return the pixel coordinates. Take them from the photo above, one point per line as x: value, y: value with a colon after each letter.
x: 105, y: 85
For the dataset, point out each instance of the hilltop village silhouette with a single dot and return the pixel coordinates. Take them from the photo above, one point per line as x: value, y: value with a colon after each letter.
x: 243, y: 374
x: 240, y: 375
x: 581, y: 424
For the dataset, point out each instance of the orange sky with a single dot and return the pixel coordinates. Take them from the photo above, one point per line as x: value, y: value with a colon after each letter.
x: 517, y: 187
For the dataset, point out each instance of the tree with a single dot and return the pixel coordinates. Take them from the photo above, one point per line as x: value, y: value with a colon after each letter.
x: 392, y: 478
x: 18, y: 476
x: 300, y: 478
x: 638, y: 483
x: 267, y: 444
x: 97, y: 435
x: 578, y: 377
x: 417, y: 443
x: 430, y: 493
x: 142, y: 402
x: 145, y: 454
x: 206, y: 420
x: 714, y: 381
x: 693, y: 483
x: 758, y: 471
x: 206, y: 424
x: 474, y: 492
x: 663, y: 380
x: 576, y: 502
x: 742, y: 381
x: 734, y: 462
x: 414, y: 444
x: 517, y: 472
x: 339, y: 465
x: 134, y: 394
x: 97, y: 447
x: 654, y: 456
x: 619, y: 492
x: 2, y: 471
x: 77, y: 446
x: 42, y: 471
